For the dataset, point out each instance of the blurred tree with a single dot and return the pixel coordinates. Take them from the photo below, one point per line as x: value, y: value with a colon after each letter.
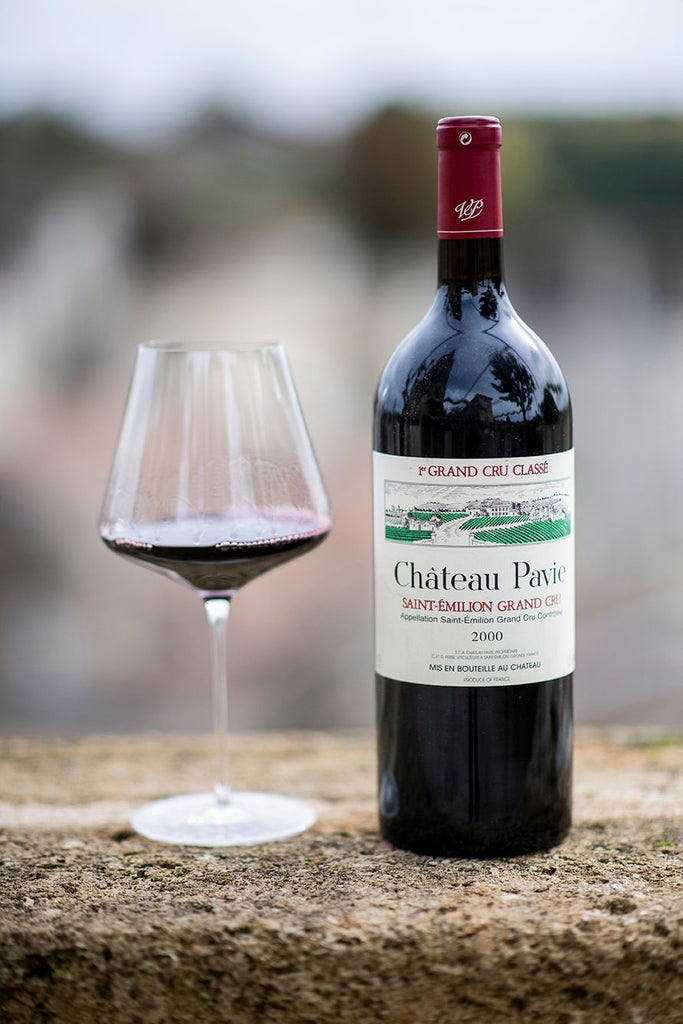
x: 40, y: 153
x: 388, y: 177
x: 632, y: 165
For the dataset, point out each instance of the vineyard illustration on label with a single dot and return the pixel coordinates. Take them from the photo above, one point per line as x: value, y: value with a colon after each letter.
x: 462, y: 516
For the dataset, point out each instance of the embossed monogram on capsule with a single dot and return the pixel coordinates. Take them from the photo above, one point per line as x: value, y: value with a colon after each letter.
x: 468, y: 209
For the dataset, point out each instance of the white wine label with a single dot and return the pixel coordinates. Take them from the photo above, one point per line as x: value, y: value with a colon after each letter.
x: 474, y: 569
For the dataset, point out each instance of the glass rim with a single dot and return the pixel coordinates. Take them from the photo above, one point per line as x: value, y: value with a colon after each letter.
x: 174, y: 345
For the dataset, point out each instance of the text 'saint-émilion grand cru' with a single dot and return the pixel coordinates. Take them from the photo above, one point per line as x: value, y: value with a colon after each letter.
x: 474, y: 554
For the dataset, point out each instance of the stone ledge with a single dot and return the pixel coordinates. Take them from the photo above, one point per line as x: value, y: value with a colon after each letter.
x: 332, y: 926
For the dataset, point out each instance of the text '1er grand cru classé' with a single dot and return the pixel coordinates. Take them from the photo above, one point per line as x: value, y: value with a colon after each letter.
x: 473, y: 501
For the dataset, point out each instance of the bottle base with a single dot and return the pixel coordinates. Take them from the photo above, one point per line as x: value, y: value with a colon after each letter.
x: 474, y: 844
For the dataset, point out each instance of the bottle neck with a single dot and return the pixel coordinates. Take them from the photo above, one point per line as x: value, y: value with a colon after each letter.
x: 469, y: 263
x: 469, y: 222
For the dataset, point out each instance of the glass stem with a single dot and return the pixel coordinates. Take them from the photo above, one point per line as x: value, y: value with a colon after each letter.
x: 217, y: 612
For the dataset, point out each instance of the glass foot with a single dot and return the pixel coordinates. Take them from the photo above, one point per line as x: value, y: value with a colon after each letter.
x: 198, y: 819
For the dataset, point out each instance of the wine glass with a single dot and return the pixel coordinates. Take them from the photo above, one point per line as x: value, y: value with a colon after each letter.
x: 214, y: 482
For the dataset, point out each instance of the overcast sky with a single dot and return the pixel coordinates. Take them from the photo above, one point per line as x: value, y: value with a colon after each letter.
x: 134, y: 66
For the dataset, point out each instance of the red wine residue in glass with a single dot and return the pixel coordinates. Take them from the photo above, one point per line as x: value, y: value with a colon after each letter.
x: 219, y: 555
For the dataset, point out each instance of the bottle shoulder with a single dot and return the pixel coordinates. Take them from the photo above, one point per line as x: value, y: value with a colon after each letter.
x: 472, y: 359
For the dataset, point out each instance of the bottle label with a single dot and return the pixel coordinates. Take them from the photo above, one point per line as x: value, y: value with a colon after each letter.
x: 474, y: 569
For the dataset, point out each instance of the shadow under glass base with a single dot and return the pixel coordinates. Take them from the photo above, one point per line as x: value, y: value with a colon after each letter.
x: 198, y: 819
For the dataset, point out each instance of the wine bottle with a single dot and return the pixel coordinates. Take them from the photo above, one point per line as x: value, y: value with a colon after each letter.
x: 473, y: 546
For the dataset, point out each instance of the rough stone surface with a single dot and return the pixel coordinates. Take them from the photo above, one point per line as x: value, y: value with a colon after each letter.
x: 97, y: 923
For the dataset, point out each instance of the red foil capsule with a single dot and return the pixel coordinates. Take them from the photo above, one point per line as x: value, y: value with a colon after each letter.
x: 469, y: 204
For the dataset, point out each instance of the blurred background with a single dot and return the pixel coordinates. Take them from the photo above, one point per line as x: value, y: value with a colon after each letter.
x: 219, y: 170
